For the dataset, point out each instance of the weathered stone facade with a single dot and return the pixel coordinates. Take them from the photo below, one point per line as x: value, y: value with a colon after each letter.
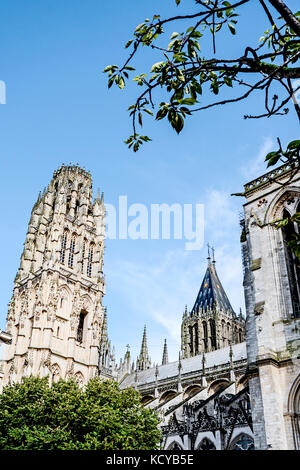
x: 271, y: 282
x: 55, y: 314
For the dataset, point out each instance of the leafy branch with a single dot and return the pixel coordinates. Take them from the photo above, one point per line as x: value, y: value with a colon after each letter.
x: 186, y: 74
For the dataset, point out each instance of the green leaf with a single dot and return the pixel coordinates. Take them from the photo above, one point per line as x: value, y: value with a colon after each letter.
x: 157, y: 67
x: 189, y: 101
x: 215, y: 87
x: 111, y: 81
x: 161, y: 113
x: 272, y: 158
x: 121, y: 83
x: 177, y: 123
x: 232, y: 28
x: 294, y: 145
x: 108, y: 68
x: 228, y: 81
x: 140, y: 119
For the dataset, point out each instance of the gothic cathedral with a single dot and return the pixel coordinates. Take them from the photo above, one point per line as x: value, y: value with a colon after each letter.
x: 236, y: 383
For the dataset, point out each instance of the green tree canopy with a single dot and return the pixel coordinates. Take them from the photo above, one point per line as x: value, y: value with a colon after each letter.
x: 35, y: 416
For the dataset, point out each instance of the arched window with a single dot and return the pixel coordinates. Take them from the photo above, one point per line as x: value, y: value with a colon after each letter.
x: 72, y: 251
x: 79, y: 379
x: 236, y: 338
x: 68, y: 206
x: 56, y: 374
x: 289, y: 232
x: 83, y: 254
x: 76, y: 206
x: 240, y: 335
x: 229, y: 333
x: 174, y: 446
x: 294, y: 411
x: 196, y: 338
x: 204, y: 324
x: 90, y: 260
x: 206, y: 444
x: 223, y: 330
x: 212, y: 334
x: 63, y: 246
x: 81, y: 326
x: 242, y: 442
x: 191, y: 339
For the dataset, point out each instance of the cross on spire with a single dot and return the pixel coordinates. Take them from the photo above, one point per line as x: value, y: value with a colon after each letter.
x: 208, y: 251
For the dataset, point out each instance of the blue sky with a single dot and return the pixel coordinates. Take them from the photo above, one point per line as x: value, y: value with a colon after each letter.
x: 59, y: 110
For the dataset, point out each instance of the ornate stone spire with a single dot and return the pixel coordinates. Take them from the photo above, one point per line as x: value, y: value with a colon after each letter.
x: 104, y: 335
x: 165, y: 359
x: 143, y: 361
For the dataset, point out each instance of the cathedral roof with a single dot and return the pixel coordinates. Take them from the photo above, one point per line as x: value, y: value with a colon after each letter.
x: 212, y: 293
x: 191, y: 365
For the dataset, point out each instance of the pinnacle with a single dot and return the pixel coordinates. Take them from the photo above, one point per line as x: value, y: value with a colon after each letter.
x: 165, y: 359
x: 143, y: 361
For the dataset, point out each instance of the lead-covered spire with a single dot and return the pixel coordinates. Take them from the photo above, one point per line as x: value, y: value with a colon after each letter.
x: 212, y: 293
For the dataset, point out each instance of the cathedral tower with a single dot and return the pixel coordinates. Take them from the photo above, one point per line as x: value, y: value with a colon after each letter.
x: 212, y: 323
x: 55, y: 315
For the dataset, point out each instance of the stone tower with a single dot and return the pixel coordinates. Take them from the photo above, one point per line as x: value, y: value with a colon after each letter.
x: 212, y: 323
x: 272, y: 294
x: 55, y: 314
